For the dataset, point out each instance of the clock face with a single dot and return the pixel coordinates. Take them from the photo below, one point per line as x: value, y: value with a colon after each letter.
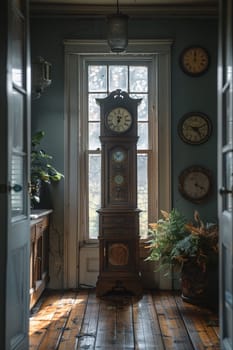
x: 195, y: 128
x: 195, y: 184
x: 118, y: 179
x: 119, y: 120
x: 194, y: 60
x: 118, y: 156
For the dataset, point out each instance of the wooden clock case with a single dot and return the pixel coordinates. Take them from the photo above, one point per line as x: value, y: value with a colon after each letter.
x: 119, y: 215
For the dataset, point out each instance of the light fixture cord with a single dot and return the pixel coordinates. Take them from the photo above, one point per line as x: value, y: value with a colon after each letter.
x: 117, y: 7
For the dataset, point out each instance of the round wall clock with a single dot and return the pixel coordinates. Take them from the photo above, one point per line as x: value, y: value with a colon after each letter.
x: 195, y: 128
x: 195, y: 183
x: 119, y: 120
x: 195, y: 60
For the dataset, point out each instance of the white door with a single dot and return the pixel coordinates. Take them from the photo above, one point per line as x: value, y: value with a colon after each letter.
x: 225, y: 171
x: 14, y: 199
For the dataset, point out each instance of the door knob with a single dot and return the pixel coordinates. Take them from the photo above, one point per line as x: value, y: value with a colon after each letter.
x: 5, y: 188
x: 16, y: 188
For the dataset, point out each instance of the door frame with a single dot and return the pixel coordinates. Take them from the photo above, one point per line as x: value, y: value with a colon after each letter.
x: 225, y: 176
x: 74, y: 49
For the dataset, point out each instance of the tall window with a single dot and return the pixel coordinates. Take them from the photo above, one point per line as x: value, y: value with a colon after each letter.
x: 101, y: 80
x: 90, y: 69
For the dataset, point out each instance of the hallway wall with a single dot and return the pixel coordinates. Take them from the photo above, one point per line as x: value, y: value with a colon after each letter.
x: 188, y: 94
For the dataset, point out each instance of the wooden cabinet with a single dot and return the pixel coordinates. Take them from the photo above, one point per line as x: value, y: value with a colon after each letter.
x: 39, y: 254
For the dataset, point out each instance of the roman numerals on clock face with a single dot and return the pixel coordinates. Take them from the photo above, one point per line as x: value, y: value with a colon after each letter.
x: 119, y: 120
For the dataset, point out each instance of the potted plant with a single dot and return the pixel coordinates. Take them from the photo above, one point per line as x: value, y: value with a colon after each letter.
x: 191, y: 247
x: 42, y: 171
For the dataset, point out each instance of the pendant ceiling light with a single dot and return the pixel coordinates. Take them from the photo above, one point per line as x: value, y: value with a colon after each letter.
x: 118, y: 31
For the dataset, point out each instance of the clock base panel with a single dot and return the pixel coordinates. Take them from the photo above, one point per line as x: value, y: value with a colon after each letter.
x: 106, y: 285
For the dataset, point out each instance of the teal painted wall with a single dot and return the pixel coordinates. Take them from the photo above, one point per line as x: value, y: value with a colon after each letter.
x: 188, y: 94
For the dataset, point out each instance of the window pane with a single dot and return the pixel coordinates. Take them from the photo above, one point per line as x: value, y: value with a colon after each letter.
x: 17, y: 202
x: 143, y: 136
x: 97, y: 78
x: 94, y: 194
x: 93, y: 107
x: 106, y: 78
x: 138, y: 79
x: 142, y: 107
x: 18, y: 115
x: 18, y: 48
x: 118, y: 78
x: 143, y: 193
x: 94, y: 132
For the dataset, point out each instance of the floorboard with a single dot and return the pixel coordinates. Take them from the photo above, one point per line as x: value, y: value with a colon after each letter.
x: 160, y: 320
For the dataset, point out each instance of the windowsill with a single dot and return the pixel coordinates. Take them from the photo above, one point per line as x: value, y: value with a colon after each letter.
x: 38, y: 213
x: 89, y: 244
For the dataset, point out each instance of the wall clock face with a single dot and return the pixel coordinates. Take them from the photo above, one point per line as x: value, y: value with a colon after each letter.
x: 195, y: 184
x: 119, y: 120
x: 195, y: 128
x: 194, y: 60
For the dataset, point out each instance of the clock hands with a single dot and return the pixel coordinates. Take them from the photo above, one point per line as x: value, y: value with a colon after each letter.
x: 199, y: 186
x: 197, y: 129
x: 119, y: 119
x: 195, y: 56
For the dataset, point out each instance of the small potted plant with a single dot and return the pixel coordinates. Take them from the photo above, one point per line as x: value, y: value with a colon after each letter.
x: 191, y: 247
x: 42, y: 171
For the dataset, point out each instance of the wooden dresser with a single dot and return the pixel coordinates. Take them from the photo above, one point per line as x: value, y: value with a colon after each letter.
x: 39, y: 254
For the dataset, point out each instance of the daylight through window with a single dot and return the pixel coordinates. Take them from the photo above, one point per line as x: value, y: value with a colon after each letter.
x: 101, y: 80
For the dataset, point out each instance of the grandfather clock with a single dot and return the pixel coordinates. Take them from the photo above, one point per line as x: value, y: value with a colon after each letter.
x: 119, y: 215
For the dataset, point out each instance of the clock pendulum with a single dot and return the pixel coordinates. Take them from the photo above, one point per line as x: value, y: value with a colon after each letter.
x: 119, y: 215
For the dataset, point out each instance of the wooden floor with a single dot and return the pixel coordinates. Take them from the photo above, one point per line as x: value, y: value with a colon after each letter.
x: 160, y: 320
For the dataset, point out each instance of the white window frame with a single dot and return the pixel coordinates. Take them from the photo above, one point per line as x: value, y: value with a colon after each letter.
x: 76, y: 54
